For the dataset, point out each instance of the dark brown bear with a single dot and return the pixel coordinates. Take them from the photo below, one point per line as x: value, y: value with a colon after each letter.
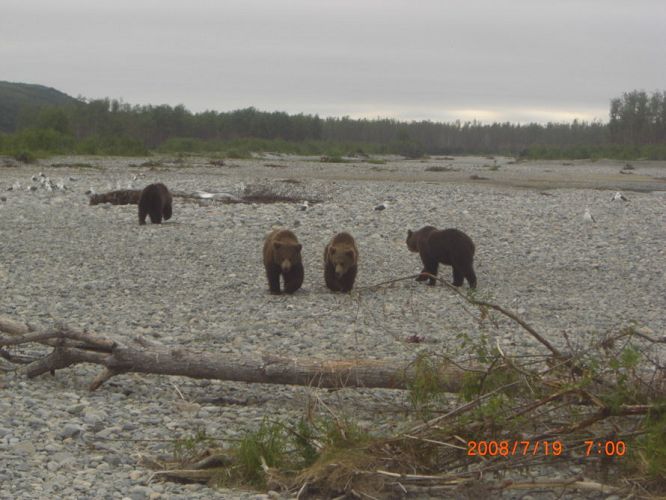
x: 448, y: 246
x: 282, y: 256
x: 340, y: 263
x: 155, y: 201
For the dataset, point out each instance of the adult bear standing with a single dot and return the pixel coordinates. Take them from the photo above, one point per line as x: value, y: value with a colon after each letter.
x: 155, y: 201
x: 282, y: 256
x: 448, y: 246
x: 340, y: 263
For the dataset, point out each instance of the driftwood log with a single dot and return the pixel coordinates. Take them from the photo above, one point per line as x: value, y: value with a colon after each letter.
x: 257, y: 195
x: 71, y: 347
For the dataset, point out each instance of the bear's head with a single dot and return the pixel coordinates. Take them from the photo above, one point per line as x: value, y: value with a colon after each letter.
x: 343, y: 257
x: 412, y: 241
x: 286, y: 255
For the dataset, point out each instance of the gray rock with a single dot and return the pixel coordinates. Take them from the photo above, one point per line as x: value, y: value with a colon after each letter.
x: 24, y: 448
x: 70, y: 430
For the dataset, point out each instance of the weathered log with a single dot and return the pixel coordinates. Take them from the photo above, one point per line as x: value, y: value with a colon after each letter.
x: 72, y: 347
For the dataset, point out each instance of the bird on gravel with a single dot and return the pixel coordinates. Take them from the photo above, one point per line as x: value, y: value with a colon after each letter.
x: 382, y: 206
x: 304, y: 206
x: 587, y: 216
x: 619, y: 197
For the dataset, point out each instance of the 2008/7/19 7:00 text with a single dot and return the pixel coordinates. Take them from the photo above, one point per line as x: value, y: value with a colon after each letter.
x: 506, y: 448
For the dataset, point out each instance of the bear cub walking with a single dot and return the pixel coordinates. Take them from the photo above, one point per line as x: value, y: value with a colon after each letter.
x: 282, y: 256
x: 340, y: 262
x: 448, y: 246
x: 155, y: 201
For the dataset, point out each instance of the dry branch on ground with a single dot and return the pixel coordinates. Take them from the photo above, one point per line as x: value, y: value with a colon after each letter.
x: 71, y: 347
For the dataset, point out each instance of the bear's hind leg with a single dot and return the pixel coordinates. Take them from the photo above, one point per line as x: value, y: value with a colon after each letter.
x: 155, y: 216
x: 142, y: 215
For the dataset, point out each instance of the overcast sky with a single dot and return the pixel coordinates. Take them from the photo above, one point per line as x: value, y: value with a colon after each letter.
x: 490, y: 60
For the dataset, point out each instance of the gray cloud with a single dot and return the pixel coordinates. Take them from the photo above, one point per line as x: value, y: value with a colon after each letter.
x: 522, y: 60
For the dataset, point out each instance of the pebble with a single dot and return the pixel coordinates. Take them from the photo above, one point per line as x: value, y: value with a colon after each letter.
x: 70, y: 430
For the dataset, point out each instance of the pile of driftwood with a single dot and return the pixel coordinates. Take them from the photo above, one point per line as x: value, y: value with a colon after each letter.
x: 593, y: 408
x: 256, y: 194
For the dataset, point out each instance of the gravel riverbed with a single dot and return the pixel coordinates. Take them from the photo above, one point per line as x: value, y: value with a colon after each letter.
x: 198, y: 282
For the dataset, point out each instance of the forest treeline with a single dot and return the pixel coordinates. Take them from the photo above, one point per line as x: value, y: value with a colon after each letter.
x: 636, y: 128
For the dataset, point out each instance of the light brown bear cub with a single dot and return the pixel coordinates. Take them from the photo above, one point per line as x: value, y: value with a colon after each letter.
x: 340, y: 263
x: 282, y: 256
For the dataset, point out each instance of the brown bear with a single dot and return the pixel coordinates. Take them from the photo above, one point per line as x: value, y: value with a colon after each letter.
x: 155, y: 201
x: 448, y: 246
x: 282, y: 255
x: 340, y: 263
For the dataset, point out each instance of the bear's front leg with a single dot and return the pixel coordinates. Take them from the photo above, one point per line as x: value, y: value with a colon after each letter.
x: 273, y: 275
x: 433, y: 271
x: 430, y: 266
x: 293, y: 279
x: 458, y: 277
x: 330, y: 279
x: 422, y: 276
x: 167, y: 211
x: 347, y: 281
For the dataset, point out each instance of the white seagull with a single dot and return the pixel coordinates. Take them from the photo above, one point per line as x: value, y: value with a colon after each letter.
x: 619, y: 197
x: 587, y: 216
x: 304, y: 206
x: 382, y: 206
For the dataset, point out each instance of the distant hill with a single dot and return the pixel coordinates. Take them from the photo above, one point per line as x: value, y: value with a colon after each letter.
x: 14, y: 96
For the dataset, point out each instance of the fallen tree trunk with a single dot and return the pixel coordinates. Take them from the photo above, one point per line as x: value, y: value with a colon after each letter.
x: 73, y: 347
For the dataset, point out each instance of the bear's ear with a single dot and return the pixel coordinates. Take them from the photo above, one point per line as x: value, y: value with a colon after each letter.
x: 299, y: 247
x: 277, y: 245
x: 409, y: 233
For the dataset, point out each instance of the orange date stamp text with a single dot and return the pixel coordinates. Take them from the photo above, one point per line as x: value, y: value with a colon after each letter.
x: 509, y: 448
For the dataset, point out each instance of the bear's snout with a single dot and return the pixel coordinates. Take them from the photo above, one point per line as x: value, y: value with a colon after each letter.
x: 286, y: 266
